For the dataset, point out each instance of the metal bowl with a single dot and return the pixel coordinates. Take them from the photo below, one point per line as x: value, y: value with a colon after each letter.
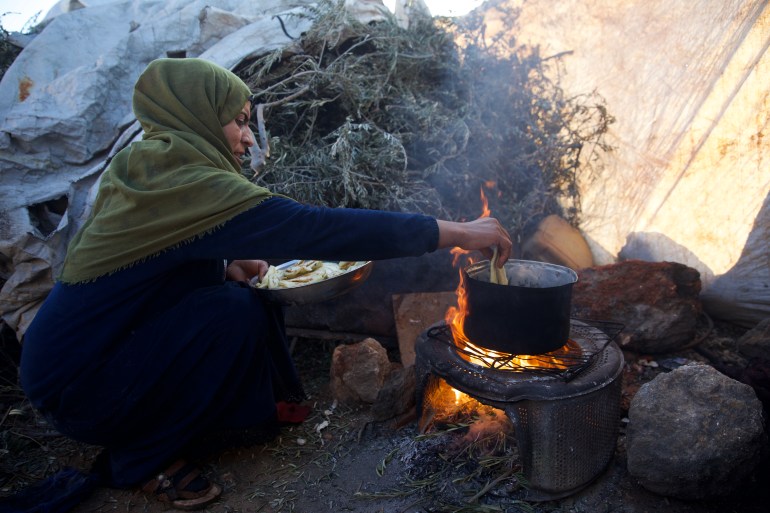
x: 318, y: 291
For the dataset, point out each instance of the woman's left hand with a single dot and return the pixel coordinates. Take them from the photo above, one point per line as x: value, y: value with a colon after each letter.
x: 244, y: 270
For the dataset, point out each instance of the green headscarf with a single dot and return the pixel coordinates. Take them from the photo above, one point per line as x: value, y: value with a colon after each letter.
x: 180, y: 181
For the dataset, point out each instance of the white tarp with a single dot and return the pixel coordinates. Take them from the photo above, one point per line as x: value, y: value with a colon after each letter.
x: 689, y: 179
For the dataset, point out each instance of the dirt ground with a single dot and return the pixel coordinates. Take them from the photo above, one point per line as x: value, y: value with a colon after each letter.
x: 339, y: 461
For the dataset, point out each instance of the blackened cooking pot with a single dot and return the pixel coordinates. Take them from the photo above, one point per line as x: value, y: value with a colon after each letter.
x: 530, y: 315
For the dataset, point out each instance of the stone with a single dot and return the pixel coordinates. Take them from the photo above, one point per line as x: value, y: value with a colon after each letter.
x: 694, y: 433
x: 358, y: 371
x: 397, y: 395
x: 657, y: 302
x: 755, y: 343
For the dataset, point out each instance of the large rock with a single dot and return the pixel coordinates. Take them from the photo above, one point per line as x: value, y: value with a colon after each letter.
x: 694, y: 433
x: 656, y: 301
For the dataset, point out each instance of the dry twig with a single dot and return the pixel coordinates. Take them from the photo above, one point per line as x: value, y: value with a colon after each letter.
x: 375, y: 116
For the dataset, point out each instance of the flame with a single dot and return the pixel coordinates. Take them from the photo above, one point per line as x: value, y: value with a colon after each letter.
x: 455, y: 319
x: 491, y: 185
x: 485, y: 212
x: 458, y: 253
x: 455, y: 316
x: 446, y: 402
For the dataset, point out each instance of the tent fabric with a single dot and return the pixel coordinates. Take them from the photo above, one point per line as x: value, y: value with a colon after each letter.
x: 687, y: 179
x: 65, y: 109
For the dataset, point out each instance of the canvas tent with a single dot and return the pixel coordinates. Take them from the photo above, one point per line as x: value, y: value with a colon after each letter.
x: 686, y: 182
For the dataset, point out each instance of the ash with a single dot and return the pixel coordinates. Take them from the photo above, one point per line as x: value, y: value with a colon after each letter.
x: 465, y: 462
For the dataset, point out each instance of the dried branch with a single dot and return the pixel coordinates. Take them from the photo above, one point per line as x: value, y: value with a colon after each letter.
x: 376, y: 116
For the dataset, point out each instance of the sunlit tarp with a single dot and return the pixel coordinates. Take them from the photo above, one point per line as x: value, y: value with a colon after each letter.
x: 688, y: 180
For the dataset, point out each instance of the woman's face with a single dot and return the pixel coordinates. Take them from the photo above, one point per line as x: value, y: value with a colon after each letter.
x: 238, y: 133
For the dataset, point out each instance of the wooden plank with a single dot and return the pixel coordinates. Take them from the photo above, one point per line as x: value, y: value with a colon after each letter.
x: 414, y: 313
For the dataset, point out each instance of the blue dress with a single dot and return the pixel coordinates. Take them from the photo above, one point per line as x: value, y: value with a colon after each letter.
x: 151, y: 359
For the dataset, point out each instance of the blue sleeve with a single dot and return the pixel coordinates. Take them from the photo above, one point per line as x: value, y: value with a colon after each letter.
x: 280, y: 228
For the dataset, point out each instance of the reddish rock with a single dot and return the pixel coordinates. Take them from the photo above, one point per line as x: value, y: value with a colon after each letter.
x: 658, y: 302
x: 358, y: 371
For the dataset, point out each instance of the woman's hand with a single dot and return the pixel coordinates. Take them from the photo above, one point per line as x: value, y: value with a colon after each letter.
x: 481, y: 234
x: 244, y: 270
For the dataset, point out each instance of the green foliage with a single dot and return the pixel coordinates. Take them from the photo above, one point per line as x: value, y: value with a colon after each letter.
x: 422, y: 119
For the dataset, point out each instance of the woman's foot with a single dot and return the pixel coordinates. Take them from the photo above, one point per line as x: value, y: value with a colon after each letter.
x: 183, y: 487
x: 288, y: 413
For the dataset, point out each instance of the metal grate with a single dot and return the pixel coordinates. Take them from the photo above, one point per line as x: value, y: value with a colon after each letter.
x: 566, y: 420
x: 566, y: 443
x: 566, y: 362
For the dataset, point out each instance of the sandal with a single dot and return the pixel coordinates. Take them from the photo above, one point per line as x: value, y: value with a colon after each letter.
x: 182, y: 486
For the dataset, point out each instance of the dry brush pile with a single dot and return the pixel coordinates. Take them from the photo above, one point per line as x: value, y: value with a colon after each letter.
x: 420, y: 119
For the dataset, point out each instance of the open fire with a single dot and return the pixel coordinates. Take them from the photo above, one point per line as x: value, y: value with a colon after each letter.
x: 565, y: 421
x: 563, y: 404
x: 562, y: 358
x: 476, y: 353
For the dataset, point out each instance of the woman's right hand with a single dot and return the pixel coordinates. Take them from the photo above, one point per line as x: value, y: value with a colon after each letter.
x: 481, y: 234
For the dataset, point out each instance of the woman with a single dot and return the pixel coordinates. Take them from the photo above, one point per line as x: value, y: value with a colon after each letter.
x: 151, y: 341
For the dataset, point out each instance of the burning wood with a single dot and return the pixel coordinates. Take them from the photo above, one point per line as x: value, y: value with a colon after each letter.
x: 465, y: 372
x: 446, y: 406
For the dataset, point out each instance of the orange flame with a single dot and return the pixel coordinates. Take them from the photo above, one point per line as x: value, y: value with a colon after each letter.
x: 455, y: 316
x: 485, y: 212
x: 491, y: 184
x: 448, y: 400
x: 458, y: 253
x: 455, y: 319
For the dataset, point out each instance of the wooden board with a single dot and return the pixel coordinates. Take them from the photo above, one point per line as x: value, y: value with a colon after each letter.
x: 414, y: 313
